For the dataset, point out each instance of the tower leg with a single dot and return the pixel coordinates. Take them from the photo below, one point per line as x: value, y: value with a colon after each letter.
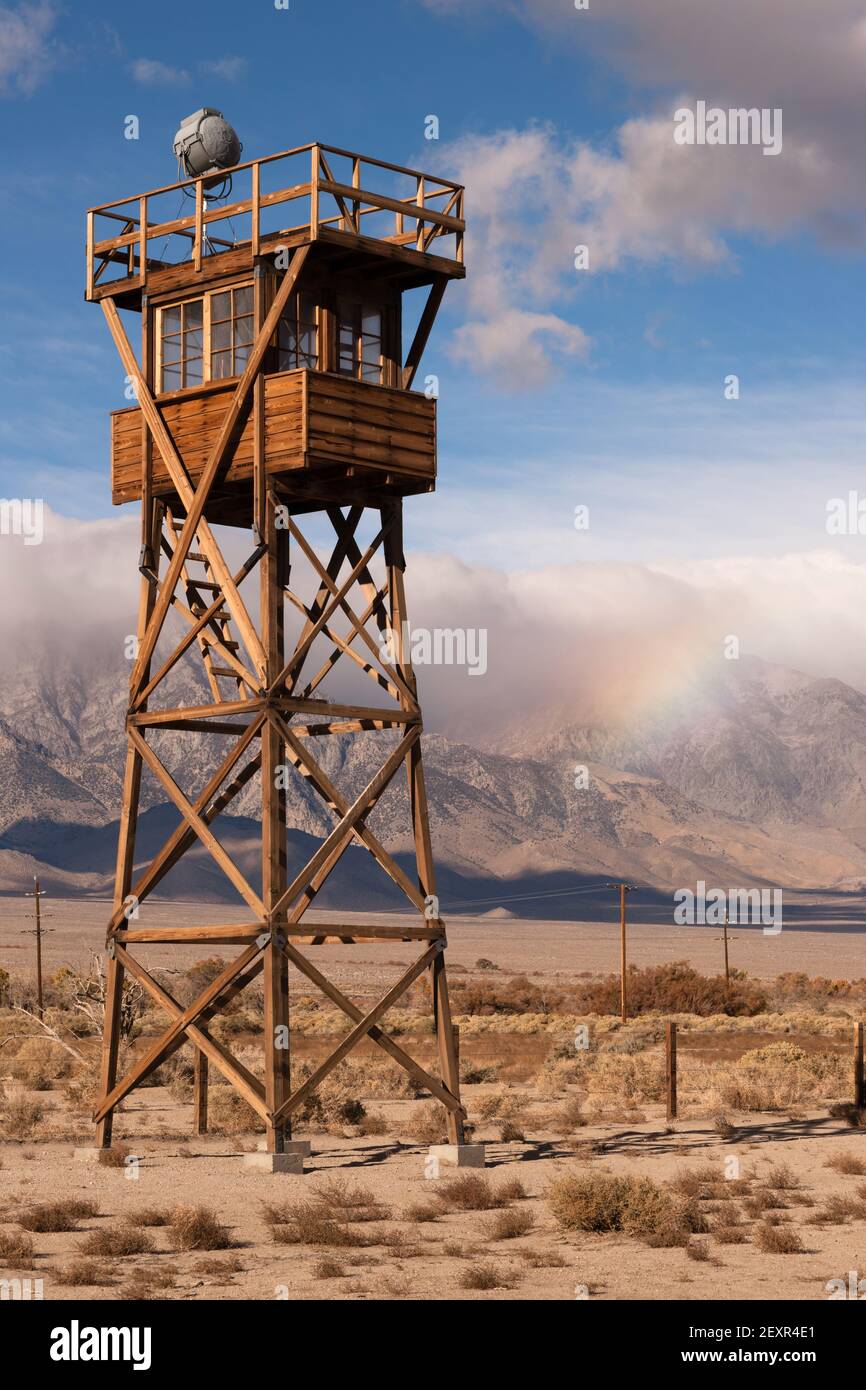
x: 124, y: 867
x: 274, y: 566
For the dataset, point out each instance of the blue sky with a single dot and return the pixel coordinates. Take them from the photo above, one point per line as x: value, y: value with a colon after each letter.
x: 731, y: 264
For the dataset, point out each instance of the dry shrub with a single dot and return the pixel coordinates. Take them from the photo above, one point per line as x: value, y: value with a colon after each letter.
x: 421, y: 1212
x: 83, y: 1274
x: 508, y: 1225
x: 602, y: 1201
x: 427, y: 1123
x: 117, y: 1240
x: 198, y: 1228
x: 781, y: 1075
x: 778, y: 1240
x: 353, y: 1203
x: 838, y: 1209
x: 697, y: 1250
x: 57, y: 1216
x: 229, y: 1113
x: 476, y: 1073
x: 470, y: 1192
x: 20, y: 1116
x: 148, y: 1283
x: 676, y: 988
x: 482, y: 1275
x: 148, y: 1216
x: 511, y: 1190
x: 627, y: 1078
x: 697, y: 1182
x: 232, y: 1265
x: 543, y: 1259
x: 723, y: 1127
x: 328, y: 1269
x: 310, y: 1224
x: 782, y: 1177
x: 375, y: 1123
x: 730, y: 1235
x: 511, y: 1132
x: 848, y: 1164
x: 16, y: 1247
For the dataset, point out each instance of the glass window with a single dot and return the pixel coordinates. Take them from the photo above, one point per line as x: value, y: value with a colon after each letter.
x: 206, y: 339
x: 231, y: 331
x: 359, y: 341
x: 298, y: 335
x: 182, y: 351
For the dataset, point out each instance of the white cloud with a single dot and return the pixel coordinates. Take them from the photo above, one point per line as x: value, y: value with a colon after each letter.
x: 150, y: 72
x: 228, y: 69
x: 597, y: 639
x: 27, y: 51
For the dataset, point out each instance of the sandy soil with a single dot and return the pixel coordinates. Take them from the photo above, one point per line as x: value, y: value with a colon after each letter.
x: 402, y: 1258
x: 544, y: 1264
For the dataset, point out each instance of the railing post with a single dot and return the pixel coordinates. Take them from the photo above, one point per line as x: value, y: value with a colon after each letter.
x: 142, y: 240
x: 356, y: 183
x: 256, y: 231
x: 199, y: 223
x: 419, y: 198
x: 671, y: 1068
x: 314, y: 193
x: 90, y: 216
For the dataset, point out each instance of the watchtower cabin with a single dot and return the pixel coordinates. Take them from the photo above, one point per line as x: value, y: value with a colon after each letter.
x: 276, y: 380
x: 339, y: 405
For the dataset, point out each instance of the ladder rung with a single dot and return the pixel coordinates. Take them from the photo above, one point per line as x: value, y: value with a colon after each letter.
x: 194, y: 555
x: 205, y: 584
x: 225, y: 671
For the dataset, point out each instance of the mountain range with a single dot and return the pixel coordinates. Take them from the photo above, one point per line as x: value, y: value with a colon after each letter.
x: 751, y: 775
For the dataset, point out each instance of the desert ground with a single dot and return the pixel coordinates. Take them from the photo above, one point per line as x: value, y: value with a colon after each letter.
x: 757, y: 1190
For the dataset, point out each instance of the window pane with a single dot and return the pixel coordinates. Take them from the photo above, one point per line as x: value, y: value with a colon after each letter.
x: 192, y: 372
x: 244, y: 301
x: 171, y: 378
x: 221, y: 306
x: 171, y: 320
x: 221, y: 365
x: 192, y: 343
x: 221, y: 335
x: 371, y: 373
x: 371, y: 323
x: 171, y: 350
x: 243, y: 330
x: 193, y: 313
x: 241, y: 356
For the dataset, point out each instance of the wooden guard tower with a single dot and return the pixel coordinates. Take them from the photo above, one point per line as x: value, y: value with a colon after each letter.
x: 274, y: 395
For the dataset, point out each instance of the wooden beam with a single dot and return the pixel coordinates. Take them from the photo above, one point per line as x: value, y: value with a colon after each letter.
x: 200, y: 826
x: 361, y: 1029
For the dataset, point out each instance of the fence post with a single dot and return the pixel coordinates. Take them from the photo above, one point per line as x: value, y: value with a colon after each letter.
x: 200, y: 1093
x: 859, y: 1079
x: 671, y: 1068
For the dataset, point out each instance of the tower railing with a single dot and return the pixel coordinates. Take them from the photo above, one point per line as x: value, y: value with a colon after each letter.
x: 340, y: 196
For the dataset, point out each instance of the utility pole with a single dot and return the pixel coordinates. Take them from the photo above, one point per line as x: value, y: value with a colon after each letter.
x: 623, y: 889
x: 727, y: 965
x: 39, y: 932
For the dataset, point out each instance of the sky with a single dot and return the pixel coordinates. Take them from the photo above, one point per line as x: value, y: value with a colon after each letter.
x: 603, y: 387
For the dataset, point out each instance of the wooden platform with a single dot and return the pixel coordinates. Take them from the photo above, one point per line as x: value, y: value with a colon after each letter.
x: 317, y: 423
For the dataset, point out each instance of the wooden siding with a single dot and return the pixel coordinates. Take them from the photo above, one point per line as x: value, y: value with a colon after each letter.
x: 312, y: 420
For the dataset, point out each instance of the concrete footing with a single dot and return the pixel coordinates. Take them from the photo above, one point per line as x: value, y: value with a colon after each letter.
x: 290, y: 1146
x: 275, y: 1163
x: 458, y: 1155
